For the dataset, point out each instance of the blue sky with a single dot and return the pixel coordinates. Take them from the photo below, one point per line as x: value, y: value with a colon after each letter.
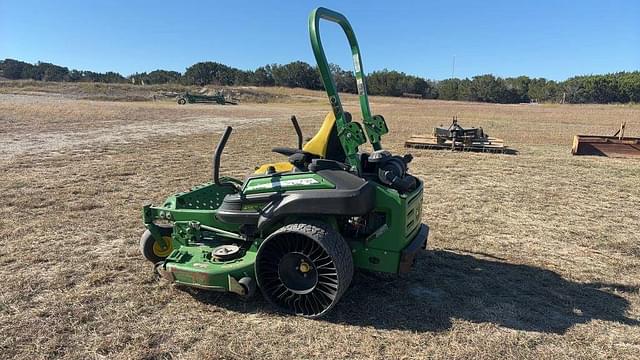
x: 552, y: 39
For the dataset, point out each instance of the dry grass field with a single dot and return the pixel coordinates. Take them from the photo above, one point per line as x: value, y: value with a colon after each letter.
x: 535, y: 255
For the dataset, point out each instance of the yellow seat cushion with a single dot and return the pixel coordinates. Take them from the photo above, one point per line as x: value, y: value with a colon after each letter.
x: 318, y: 144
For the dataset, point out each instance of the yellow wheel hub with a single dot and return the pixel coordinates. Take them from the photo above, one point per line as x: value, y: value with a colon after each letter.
x: 304, y: 267
x: 163, y: 251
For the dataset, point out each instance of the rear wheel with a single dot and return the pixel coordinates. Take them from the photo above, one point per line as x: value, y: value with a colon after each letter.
x: 182, y: 101
x: 153, y: 250
x: 304, y: 268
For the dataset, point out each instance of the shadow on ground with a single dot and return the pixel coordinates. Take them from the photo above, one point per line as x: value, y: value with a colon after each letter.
x: 447, y: 285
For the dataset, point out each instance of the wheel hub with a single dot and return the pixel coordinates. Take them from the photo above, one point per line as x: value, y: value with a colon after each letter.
x: 163, y: 250
x: 304, y: 267
x: 297, y: 273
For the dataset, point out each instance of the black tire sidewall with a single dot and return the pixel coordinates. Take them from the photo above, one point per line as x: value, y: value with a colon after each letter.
x: 331, y: 242
x: 146, y: 244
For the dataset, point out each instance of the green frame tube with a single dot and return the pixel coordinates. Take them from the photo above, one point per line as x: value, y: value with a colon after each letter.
x: 374, y: 125
x: 323, y: 64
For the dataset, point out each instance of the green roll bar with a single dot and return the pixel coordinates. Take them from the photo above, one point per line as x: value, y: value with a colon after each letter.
x: 350, y: 133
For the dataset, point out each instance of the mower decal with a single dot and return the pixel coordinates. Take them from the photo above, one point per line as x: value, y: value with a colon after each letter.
x: 283, y: 184
x: 287, y: 182
x: 252, y: 207
x: 356, y: 62
x: 360, y: 86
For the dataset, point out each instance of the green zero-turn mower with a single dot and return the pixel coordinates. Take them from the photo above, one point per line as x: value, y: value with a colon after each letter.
x: 297, y: 229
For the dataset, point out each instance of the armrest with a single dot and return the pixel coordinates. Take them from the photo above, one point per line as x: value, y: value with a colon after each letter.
x: 286, y: 151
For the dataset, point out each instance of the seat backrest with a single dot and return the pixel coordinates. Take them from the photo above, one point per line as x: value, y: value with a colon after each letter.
x: 325, y: 143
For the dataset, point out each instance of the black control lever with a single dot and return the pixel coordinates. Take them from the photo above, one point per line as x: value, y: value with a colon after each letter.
x: 298, y: 130
x: 216, y: 158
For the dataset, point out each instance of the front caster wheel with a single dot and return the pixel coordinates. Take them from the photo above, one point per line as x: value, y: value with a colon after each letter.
x: 249, y: 286
x: 304, y: 268
x: 153, y: 250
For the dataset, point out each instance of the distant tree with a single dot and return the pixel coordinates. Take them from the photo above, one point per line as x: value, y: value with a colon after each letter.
x: 89, y: 76
x: 74, y: 75
x: 139, y: 78
x: 377, y: 83
x: 163, y: 77
x: 296, y: 74
x: 517, y: 89
x: 14, y: 69
x: 280, y: 76
x: 204, y: 73
x: 394, y: 83
x: 605, y: 89
x: 464, y: 90
x: 427, y: 88
x: 345, y: 80
x: 48, y: 72
x: 487, y: 88
x: 262, y: 76
x: 543, y: 90
x: 242, y: 77
x: 602, y: 89
x: 621, y: 87
x: 449, y: 89
x: 111, y: 77
x: 629, y: 86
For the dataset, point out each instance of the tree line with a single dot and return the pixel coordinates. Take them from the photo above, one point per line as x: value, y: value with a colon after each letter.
x: 620, y: 87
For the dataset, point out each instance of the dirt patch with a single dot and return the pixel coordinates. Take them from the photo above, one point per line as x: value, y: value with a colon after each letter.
x: 138, y: 132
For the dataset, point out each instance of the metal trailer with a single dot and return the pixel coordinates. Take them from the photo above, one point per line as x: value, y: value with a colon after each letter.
x: 219, y: 98
x: 455, y: 137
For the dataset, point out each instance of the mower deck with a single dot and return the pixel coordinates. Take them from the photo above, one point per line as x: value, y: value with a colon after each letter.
x: 195, y: 265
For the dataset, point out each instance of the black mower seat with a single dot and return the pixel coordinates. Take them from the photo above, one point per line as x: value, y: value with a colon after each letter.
x: 325, y: 144
x: 300, y: 159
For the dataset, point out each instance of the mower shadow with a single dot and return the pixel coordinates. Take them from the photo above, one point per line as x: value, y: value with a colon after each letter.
x: 445, y: 286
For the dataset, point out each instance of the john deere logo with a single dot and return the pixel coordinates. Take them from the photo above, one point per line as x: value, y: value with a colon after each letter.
x: 283, y: 184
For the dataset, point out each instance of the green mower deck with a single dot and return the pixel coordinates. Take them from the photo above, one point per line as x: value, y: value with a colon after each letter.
x: 298, y: 234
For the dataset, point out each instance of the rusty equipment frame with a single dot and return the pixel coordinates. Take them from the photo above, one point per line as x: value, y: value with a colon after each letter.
x: 616, y: 145
x: 455, y: 137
